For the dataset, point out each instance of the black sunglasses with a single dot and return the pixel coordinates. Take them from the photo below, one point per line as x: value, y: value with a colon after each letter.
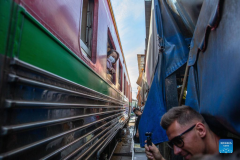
x: 177, y: 141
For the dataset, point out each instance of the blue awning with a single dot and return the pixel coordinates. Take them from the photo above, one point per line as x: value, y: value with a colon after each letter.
x: 172, y: 51
x: 214, y: 61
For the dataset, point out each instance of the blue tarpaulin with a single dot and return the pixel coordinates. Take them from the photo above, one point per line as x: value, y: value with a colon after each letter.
x: 173, y: 55
x: 214, y: 61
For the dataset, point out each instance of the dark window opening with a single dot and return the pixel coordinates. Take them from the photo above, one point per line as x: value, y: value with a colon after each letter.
x: 110, y: 44
x: 120, y: 76
x: 127, y: 89
x: 124, y: 85
x: 112, y: 57
x: 87, y: 27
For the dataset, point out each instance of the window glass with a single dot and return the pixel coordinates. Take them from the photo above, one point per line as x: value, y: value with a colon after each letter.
x: 120, y: 76
x: 112, y: 57
x: 124, y: 85
x: 86, y: 27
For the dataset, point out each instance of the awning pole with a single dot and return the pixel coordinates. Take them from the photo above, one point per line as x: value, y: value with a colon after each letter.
x: 184, y: 84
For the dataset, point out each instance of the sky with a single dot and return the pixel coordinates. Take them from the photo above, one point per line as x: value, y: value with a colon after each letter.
x: 130, y: 19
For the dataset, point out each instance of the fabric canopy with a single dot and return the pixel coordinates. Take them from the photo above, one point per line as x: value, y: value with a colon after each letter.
x: 164, y: 56
x: 214, y: 60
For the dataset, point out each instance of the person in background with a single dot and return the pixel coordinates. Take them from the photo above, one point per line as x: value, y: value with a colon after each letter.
x: 188, y: 135
x: 112, y: 57
x: 138, y: 113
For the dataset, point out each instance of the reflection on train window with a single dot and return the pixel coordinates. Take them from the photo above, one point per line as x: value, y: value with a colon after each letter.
x: 112, y: 57
x: 124, y: 85
x: 126, y: 88
x: 87, y: 27
x: 120, y: 76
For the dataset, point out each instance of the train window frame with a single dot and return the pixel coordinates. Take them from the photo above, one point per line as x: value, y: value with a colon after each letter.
x: 114, y: 74
x: 127, y: 89
x: 125, y: 84
x: 120, y: 72
x: 112, y: 44
x: 89, y: 54
x: 129, y: 93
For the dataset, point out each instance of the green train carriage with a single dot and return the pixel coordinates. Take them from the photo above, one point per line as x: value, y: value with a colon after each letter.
x: 57, y: 100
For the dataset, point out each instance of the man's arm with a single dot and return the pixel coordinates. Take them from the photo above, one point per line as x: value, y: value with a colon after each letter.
x: 153, y: 153
x: 137, y: 133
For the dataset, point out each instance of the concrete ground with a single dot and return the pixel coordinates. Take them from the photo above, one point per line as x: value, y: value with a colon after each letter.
x: 123, y: 150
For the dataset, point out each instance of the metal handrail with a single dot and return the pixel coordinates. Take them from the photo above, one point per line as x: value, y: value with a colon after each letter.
x: 35, y: 144
x: 105, y: 144
x: 74, y: 152
x: 13, y: 104
x: 23, y: 64
x: 113, y: 150
x: 108, y: 139
x: 18, y: 79
x: 77, y: 140
x: 115, y: 128
x: 15, y: 128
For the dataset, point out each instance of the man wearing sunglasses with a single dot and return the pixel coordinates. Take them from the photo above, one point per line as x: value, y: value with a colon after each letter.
x: 188, y: 134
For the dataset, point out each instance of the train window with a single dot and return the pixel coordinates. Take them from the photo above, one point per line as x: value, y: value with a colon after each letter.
x: 87, y: 27
x: 129, y: 93
x: 124, y: 85
x: 126, y: 88
x: 112, y: 57
x: 120, y: 76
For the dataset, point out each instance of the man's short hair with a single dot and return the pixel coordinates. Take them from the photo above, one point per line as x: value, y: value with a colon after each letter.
x: 183, y: 114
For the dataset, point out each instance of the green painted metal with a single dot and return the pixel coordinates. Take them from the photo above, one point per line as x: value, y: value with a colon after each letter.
x: 8, y: 27
x: 37, y: 46
x: 5, y: 12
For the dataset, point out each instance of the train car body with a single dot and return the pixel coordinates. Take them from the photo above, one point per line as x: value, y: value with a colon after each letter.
x: 57, y: 100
